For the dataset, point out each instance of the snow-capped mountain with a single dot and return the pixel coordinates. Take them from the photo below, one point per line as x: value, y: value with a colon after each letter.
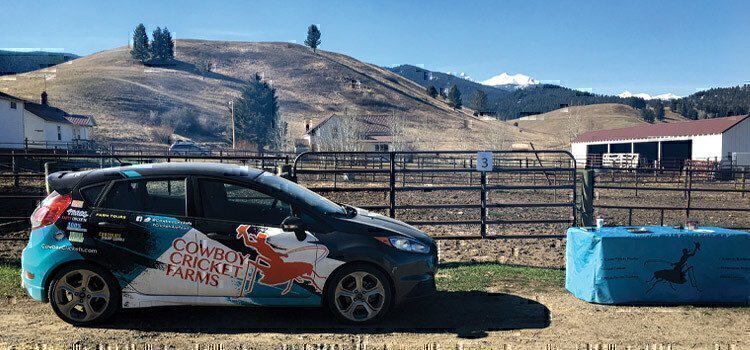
x: 505, y: 80
x: 667, y: 96
x: 664, y: 97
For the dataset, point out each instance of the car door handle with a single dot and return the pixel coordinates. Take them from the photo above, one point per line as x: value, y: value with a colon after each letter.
x: 111, y: 225
x: 220, y: 236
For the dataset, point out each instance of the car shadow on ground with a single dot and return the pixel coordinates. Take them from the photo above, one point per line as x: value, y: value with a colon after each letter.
x: 468, y: 314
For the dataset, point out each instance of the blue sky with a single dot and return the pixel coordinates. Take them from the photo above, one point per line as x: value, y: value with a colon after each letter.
x: 606, y: 46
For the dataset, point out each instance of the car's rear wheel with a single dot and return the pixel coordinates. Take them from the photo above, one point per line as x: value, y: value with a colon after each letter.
x: 359, y: 294
x: 82, y: 295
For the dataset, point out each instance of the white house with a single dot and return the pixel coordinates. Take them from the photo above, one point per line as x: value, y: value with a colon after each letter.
x: 707, y: 139
x: 367, y: 132
x: 11, y: 119
x: 39, y: 125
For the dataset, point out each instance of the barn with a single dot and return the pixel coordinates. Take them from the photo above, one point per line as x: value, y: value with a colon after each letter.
x: 667, y: 144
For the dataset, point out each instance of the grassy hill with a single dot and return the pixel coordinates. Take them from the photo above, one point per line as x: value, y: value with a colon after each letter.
x: 123, y: 94
x: 563, y: 124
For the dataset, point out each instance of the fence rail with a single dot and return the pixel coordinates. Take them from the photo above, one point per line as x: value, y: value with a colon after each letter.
x: 527, y: 194
x: 22, y: 174
x: 723, y: 191
x: 416, y: 175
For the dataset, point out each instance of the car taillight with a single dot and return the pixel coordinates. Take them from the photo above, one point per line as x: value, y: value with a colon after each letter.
x: 50, y: 210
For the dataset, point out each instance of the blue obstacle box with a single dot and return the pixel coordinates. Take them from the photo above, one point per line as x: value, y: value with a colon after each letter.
x: 658, y: 265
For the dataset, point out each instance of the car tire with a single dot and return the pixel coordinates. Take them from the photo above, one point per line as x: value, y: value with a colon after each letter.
x: 359, y: 294
x: 83, y: 294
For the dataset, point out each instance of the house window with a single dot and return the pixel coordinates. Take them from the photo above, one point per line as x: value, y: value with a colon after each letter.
x: 13, y: 105
x: 381, y: 147
x: 59, y: 133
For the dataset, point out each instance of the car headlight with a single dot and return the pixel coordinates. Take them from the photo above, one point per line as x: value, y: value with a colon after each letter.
x: 405, y: 244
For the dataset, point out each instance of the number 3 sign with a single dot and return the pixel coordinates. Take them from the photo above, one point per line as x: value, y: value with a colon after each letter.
x: 484, y: 161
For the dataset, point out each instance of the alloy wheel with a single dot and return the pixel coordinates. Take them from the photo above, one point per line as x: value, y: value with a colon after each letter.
x: 82, y: 295
x: 359, y: 296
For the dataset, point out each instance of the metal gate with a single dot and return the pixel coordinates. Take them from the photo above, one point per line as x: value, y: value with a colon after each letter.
x: 526, y: 194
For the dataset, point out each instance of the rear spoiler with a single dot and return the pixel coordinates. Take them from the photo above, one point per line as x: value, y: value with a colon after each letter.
x: 64, y: 181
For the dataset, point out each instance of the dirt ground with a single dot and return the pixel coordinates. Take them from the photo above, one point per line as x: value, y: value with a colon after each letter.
x: 503, y: 317
x: 451, y: 320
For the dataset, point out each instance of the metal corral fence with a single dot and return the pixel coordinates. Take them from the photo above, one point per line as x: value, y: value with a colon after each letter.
x: 520, y: 197
x: 22, y: 175
x: 526, y: 194
x: 717, y: 196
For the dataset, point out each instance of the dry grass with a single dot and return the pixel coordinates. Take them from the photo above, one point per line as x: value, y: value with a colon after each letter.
x: 121, y: 93
x: 557, y: 124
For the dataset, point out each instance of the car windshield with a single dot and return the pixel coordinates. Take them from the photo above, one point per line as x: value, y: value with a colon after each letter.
x: 298, y: 192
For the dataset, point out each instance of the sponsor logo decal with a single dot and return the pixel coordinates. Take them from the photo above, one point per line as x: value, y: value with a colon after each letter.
x: 198, y: 263
x: 78, y: 215
x: 111, y: 236
x: 76, y: 204
x: 59, y: 235
x: 76, y: 237
x: 111, y: 216
x: 268, y: 264
x: 69, y: 248
x: 76, y: 226
x: 167, y: 223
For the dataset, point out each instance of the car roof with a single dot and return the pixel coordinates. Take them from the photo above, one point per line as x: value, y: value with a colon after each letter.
x: 170, y: 169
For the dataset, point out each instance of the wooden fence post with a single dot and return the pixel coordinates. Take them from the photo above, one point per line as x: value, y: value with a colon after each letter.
x: 587, y: 196
x: 689, y: 186
x: 15, y: 170
x: 46, y: 175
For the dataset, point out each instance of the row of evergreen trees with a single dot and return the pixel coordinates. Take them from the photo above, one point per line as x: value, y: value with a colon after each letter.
x: 453, y: 97
x: 714, y: 103
x: 159, y: 49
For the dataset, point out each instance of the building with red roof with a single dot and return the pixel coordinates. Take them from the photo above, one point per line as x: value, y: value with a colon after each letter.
x: 707, y: 139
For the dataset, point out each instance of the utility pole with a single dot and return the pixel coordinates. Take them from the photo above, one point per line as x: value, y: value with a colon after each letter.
x: 234, y: 144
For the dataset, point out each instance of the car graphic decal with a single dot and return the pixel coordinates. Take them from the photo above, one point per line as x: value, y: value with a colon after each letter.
x: 131, y: 173
x: 277, y: 269
x: 274, y: 267
x: 139, y: 258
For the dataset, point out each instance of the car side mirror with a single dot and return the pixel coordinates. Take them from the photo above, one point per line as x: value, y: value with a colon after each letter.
x: 294, y: 224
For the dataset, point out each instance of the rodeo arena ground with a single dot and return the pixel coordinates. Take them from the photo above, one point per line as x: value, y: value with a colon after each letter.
x: 535, y: 251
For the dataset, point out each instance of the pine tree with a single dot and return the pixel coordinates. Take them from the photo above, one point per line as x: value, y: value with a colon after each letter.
x: 140, y: 44
x: 432, y: 91
x: 479, y: 101
x: 648, y: 115
x: 157, y: 44
x: 168, y: 43
x: 660, y: 112
x: 313, y: 37
x: 256, y: 114
x: 454, y: 97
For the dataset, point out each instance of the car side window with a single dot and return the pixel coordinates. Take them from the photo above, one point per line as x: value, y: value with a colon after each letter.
x: 90, y: 194
x: 232, y: 202
x: 163, y: 196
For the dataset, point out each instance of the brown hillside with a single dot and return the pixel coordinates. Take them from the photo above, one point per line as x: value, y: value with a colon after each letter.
x: 121, y: 93
x: 563, y: 124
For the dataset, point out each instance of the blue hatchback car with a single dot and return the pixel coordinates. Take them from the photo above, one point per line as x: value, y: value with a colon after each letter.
x: 215, y: 234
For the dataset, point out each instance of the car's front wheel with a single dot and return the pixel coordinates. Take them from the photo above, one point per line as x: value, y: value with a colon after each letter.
x: 82, y: 295
x: 359, y: 294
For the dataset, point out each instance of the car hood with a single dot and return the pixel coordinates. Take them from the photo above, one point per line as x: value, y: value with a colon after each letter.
x: 375, y: 221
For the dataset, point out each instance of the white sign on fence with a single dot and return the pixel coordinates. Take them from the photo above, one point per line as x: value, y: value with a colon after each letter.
x: 484, y: 161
